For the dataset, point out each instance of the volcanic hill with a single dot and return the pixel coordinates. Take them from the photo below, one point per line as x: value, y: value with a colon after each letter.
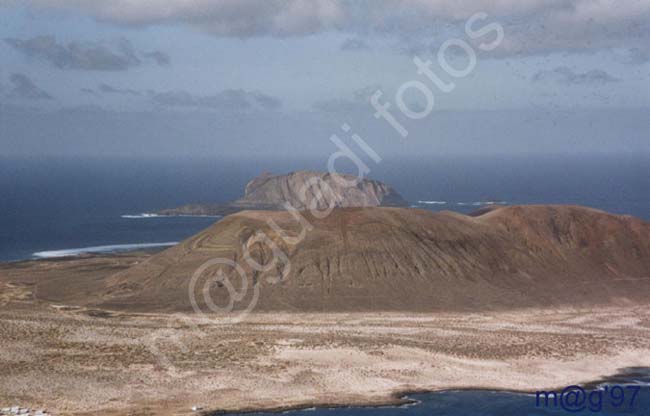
x: 387, y: 259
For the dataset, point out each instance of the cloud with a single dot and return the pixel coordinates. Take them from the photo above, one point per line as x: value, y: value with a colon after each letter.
x: 567, y: 76
x: 227, y: 100
x: 336, y: 105
x: 89, y: 91
x: 161, y: 58
x: 118, y: 55
x: 108, y: 89
x: 354, y: 44
x: 362, y: 95
x: 359, y: 98
x: 237, y: 100
x: 266, y: 102
x: 239, y: 18
x: 637, y: 56
x: 23, y: 87
x: 532, y: 27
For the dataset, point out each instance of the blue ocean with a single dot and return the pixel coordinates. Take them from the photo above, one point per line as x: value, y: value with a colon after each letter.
x: 70, y: 205
x: 596, y: 401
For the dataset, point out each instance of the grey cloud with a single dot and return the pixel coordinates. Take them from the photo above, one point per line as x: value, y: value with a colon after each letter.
x: 339, y: 105
x: 173, y: 98
x: 532, y: 27
x: 108, y: 89
x: 117, y: 55
x: 637, y: 56
x: 23, y: 87
x: 161, y: 58
x: 89, y: 91
x: 359, y: 98
x: 355, y: 44
x: 411, y: 46
x: 567, y: 76
x: 266, y: 101
x: 362, y: 95
x: 239, y: 18
x: 227, y: 100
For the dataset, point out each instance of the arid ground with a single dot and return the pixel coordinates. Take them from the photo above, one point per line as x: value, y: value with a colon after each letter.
x: 76, y: 360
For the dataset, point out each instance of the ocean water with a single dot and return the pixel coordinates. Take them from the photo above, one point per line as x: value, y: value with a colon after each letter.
x: 598, y: 400
x: 54, y: 206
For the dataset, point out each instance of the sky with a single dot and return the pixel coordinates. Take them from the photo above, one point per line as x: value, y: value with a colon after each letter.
x: 280, y: 77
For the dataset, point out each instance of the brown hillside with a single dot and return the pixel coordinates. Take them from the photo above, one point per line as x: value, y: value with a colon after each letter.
x: 407, y: 259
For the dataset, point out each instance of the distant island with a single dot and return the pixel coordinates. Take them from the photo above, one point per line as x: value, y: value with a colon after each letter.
x: 272, y: 192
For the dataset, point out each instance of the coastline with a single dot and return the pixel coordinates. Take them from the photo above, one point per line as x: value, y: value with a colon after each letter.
x: 401, y: 398
x: 142, y: 250
x: 397, y: 399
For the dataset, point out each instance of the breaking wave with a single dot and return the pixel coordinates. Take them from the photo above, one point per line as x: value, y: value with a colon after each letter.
x: 433, y: 202
x: 99, y: 249
x: 481, y: 203
x: 143, y: 215
x: 149, y: 215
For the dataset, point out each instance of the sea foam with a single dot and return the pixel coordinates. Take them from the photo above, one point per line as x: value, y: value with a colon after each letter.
x: 149, y: 215
x: 99, y: 249
x: 143, y: 215
x: 481, y: 203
